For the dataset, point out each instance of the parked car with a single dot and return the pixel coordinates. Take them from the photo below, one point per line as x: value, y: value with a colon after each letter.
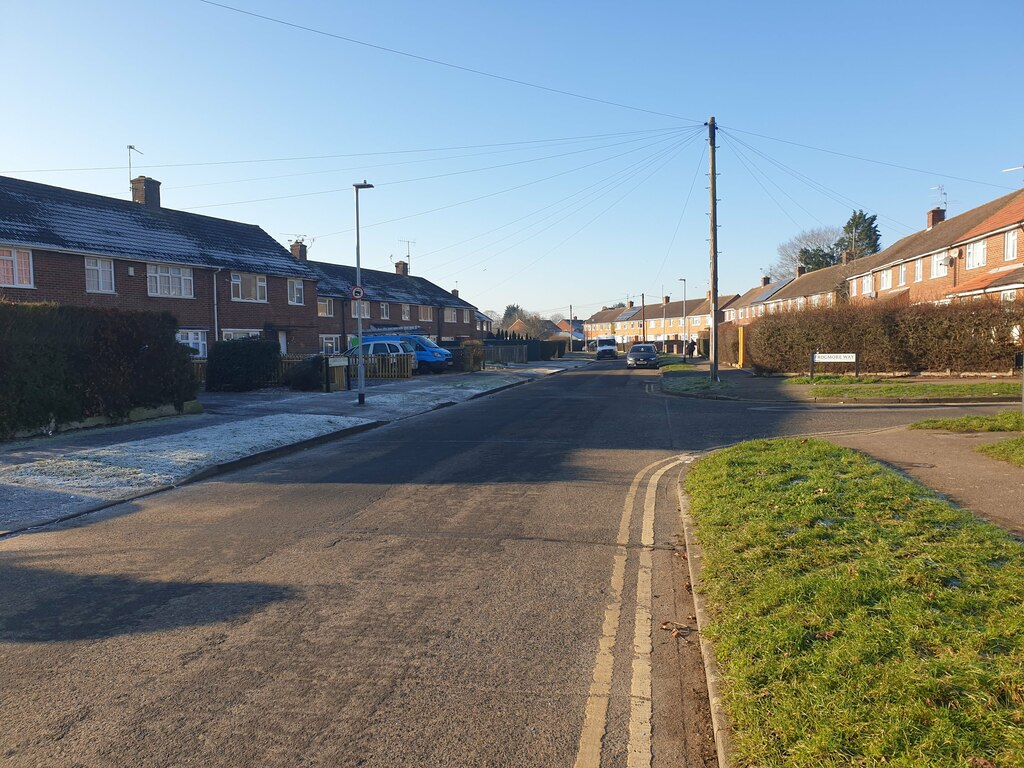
x: 607, y: 347
x: 429, y: 356
x: 382, y: 346
x: 642, y: 355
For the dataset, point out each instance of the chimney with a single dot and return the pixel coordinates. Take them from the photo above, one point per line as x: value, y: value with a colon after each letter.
x: 935, y: 216
x: 845, y: 258
x: 630, y: 304
x: 765, y: 281
x: 709, y: 295
x: 604, y: 309
x: 455, y: 292
x: 664, y: 299
x: 299, y: 250
x: 146, y: 191
x: 401, y: 268
x: 801, y: 270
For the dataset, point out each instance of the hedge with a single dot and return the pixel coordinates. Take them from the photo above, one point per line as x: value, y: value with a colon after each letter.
x: 63, y: 364
x: 979, y: 336
x: 241, y: 365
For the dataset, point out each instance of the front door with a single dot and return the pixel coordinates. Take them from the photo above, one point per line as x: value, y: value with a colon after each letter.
x: 282, y: 339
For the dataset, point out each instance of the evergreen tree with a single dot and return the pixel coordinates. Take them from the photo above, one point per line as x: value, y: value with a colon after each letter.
x: 860, y: 236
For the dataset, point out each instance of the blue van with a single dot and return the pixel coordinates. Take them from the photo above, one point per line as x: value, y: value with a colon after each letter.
x: 429, y: 356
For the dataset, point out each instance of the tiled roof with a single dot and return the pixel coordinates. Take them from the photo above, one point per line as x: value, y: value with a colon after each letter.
x: 817, y: 282
x: 53, y: 218
x: 337, y: 280
x: 993, y: 278
x: 944, y: 234
x: 756, y: 294
x: 1012, y: 213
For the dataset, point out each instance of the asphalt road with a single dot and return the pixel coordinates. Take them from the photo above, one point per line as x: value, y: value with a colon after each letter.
x: 479, y: 586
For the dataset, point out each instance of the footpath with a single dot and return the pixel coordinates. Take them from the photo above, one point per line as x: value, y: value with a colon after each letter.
x: 48, y: 479
x: 946, y: 462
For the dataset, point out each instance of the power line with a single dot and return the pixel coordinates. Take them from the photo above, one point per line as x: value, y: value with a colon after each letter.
x: 679, y: 221
x: 459, y: 67
x: 763, y: 187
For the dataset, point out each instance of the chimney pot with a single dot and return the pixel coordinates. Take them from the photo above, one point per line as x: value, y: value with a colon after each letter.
x: 936, y: 215
x: 664, y: 299
x: 455, y: 292
x: 299, y: 250
x: 146, y: 191
x: 401, y: 268
x: 630, y: 304
x: 765, y: 281
x: 801, y: 270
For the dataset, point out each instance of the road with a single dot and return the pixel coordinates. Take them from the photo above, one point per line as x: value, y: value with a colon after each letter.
x: 479, y: 586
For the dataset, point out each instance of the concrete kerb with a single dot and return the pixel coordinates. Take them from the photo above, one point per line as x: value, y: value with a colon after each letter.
x: 694, y: 554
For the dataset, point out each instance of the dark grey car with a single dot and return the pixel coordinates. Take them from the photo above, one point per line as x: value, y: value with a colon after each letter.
x: 642, y: 356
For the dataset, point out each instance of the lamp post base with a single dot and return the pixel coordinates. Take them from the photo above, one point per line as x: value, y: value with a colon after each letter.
x: 362, y: 398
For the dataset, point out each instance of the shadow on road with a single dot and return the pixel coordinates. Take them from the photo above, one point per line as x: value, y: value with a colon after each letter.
x: 41, y: 605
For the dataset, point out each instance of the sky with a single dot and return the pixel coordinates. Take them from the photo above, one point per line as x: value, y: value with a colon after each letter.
x: 582, y: 183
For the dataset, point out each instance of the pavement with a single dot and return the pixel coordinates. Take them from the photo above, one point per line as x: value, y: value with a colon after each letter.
x: 48, y: 479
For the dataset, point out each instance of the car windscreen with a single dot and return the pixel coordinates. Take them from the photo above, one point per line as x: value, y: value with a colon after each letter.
x: 426, y: 342
x: 641, y: 348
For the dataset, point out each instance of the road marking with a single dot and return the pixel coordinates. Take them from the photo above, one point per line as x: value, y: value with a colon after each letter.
x: 639, y: 754
x: 588, y: 754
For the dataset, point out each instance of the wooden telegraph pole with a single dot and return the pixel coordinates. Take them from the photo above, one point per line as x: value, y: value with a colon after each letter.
x: 713, y: 352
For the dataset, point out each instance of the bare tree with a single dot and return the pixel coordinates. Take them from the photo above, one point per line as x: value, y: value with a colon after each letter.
x: 557, y: 317
x: 819, y: 238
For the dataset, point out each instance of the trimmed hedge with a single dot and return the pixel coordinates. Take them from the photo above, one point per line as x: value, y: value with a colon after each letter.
x: 979, y: 336
x: 241, y: 365
x: 62, y: 364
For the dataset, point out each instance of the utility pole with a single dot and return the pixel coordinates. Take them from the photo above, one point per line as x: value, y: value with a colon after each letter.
x: 643, y: 317
x: 570, y: 328
x: 408, y: 254
x: 713, y: 353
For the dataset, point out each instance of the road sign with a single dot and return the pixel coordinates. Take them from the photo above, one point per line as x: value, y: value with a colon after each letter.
x: 357, y: 292
x: 835, y: 357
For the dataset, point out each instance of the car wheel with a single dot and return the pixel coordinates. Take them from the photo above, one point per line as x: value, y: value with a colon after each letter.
x: 423, y: 368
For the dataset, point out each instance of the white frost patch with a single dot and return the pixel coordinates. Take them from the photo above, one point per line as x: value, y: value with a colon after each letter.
x: 125, y: 468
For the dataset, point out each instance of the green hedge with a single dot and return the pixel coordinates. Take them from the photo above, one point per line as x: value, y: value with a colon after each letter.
x: 241, y: 365
x: 61, y: 364
x: 977, y: 336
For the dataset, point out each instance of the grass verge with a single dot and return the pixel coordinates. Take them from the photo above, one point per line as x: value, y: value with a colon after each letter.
x: 834, y: 379
x: 681, y: 384
x: 858, y: 619
x: 904, y: 390
x: 1008, y: 421
x: 1006, y: 450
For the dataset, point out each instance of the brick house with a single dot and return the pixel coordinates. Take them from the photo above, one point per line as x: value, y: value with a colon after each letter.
x: 662, y: 322
x: 824, y: 287
x: 750, y: 305
x: 220, y: 279
x: 972, y: 255
x: 393, y: 301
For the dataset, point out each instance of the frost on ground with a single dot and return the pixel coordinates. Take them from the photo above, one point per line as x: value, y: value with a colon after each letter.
x: 124, y: 468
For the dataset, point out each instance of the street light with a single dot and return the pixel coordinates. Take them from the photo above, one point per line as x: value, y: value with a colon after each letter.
x: 359, y: 306
x: 686, y: 334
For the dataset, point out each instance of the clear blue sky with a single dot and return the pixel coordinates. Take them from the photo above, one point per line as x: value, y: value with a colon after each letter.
x: 931, y: 86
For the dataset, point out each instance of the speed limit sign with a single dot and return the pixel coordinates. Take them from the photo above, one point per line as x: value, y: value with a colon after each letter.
x: 357, y: 292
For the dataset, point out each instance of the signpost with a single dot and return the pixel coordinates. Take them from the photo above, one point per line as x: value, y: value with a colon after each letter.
x: 836, y: 357
x: 1018, y: 362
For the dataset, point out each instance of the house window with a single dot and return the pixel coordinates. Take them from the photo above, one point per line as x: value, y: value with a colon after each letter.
x: 940, y: 265
x: 815, y: 300
x: 800, y: 304
x: 361, y: 306
x: 919, y: 270
x: 976, y: 256
x: 194, y: 339
x: 385, y: 311
x: 426, y: 313
x: 867, y: 284
x: 828, y: 299
x: 406, y: 312
x: 885, y: 280
x: 99, y: 275
x: 1008, y: 295
x: 330, y: 345
x: 246, y: 287
x: 451, y: 315
x: 465, y: 316
x: 240, y: 333
x: 853, y: 287
x: 903, y: 274
x: 1010, y: 245
x: 163, y: 280
x: 325, y: 307
x: 15, y: 268
x: 295, y: 292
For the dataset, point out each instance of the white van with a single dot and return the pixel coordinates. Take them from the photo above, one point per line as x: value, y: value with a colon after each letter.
x: 607, y: 347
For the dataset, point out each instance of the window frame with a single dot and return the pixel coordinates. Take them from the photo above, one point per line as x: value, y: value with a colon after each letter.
x: 365, y: 308
x: 466, y: 319
x: 15, y: 272
x: 1010, y: 252
x: 98, y: 270
x: 385, y: 311
x: 324, y: 337
x: 296, y: 289
x: 240, y: 333
x: 407, y: 312
x: 939, y: 266
x: 902, y: 274
x: 426, y: 313
x: 202, y: 341
x: 885, y: 280
x: 327, y: 303
x: 451, y: 315
x: 976, y: 255
x: 154, y: 271
x: 918, y: 270
x: 260, y: 282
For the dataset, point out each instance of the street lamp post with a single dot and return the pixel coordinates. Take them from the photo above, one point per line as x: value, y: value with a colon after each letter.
x: 686, y: 333
x: 359, y: 306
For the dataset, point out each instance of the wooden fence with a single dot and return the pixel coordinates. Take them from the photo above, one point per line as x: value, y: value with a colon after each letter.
x: 341, y: 371
x: 286, y: 363
x: 381, y: 367
x: 505, y: 353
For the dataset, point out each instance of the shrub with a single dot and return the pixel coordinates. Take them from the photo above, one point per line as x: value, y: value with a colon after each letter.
x: 241, y: 365
x: 61, y: 364
x: 306, y: 375
x: 975, y: 336
x: 472, y: 355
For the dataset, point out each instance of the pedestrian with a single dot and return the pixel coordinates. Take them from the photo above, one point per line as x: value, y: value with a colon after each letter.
x: 692, y: 348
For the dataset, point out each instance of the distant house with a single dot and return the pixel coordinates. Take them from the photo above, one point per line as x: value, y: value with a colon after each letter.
x: 966, y: 257
x: 750, y: 305
x: 393, y: 301
x: 824, y: 287
x: 667, y: 321
x: 548, y: 329
x: 220, y: 279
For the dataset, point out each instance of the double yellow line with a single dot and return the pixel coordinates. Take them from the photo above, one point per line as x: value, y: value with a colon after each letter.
x: 588, y: 755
